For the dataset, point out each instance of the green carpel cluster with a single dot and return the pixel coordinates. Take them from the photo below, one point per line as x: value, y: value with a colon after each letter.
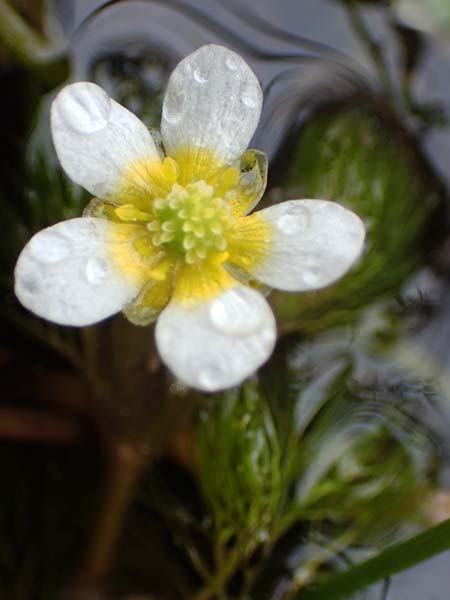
x: 190, y: 221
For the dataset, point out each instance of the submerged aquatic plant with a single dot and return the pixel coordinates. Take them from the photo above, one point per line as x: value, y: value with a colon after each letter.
x: 171, y: 237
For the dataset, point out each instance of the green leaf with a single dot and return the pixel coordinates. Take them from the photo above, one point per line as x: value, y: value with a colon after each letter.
x: 239, y: 460
x: 393, y: 560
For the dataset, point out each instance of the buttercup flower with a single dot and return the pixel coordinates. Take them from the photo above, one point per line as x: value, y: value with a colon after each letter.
x: 170, y: 237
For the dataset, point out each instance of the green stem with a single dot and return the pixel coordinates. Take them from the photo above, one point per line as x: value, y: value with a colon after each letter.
x: 127, y: 462
x: 393, y: 560
x: 214, y: 588
x: 29, y: 48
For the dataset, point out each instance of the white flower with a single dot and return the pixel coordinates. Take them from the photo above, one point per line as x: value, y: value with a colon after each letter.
x: 171, y: 238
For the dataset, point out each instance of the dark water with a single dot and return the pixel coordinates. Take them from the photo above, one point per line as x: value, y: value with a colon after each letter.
x: 356, y: 108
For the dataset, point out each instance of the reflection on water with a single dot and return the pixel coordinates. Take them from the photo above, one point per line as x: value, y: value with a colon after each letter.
x: 335, y: 451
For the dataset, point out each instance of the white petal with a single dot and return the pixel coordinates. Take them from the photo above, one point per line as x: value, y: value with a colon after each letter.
x: 213, y: 101
x: 218, y: 343
x: 315, y: 242
x: 95, y: 137
x: 65, y: 274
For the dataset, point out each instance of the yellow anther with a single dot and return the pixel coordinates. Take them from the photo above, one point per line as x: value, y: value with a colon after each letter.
x: 228, y: 180
x: 219, y: 258
x: 129, y: 212
x: 160, y: 271
x: 144, y: 247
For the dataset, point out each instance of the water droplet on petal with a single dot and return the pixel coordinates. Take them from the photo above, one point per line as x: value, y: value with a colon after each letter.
x: 208, y: 376
x: 173, y: 106
x: 167, y: 335
x: 232, y: 62
x: 294, y: 221
x: 201, y: 76
x: 49, y: 247
x: 312, y: 276
x: 30, y: 283
x: 251, y: 97
x: 96, y: 270
x: 85, y: 108
x: 235, y: 312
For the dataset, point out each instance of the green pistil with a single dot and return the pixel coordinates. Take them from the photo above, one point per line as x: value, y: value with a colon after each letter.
x: 190, y: 221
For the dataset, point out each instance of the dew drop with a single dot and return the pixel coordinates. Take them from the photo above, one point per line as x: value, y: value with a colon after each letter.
x: 209, y: 376
x: 250, y: 97
x: 312, y: 276
x: 96, y: 271
x: 235, y: 312
x: 167, y: 335
x: 84, y: 107
x: 294, y: 221
x: 173, y: 106
x: 30, y: 284
x: 49, y: 247
x: 201, y: 76
x: 232, y: 62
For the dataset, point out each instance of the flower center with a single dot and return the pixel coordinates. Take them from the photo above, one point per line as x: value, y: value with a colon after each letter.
x: 191, y: 221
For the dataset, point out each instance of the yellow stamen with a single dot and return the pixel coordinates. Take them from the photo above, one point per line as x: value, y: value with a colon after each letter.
x: 127, y: 243
x: 179, y: 229
x: 130, y: 213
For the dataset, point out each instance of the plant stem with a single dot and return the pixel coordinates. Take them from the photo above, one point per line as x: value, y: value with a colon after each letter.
x: 214, y: 588
x: 27, y: 425
x: 127, y: 462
